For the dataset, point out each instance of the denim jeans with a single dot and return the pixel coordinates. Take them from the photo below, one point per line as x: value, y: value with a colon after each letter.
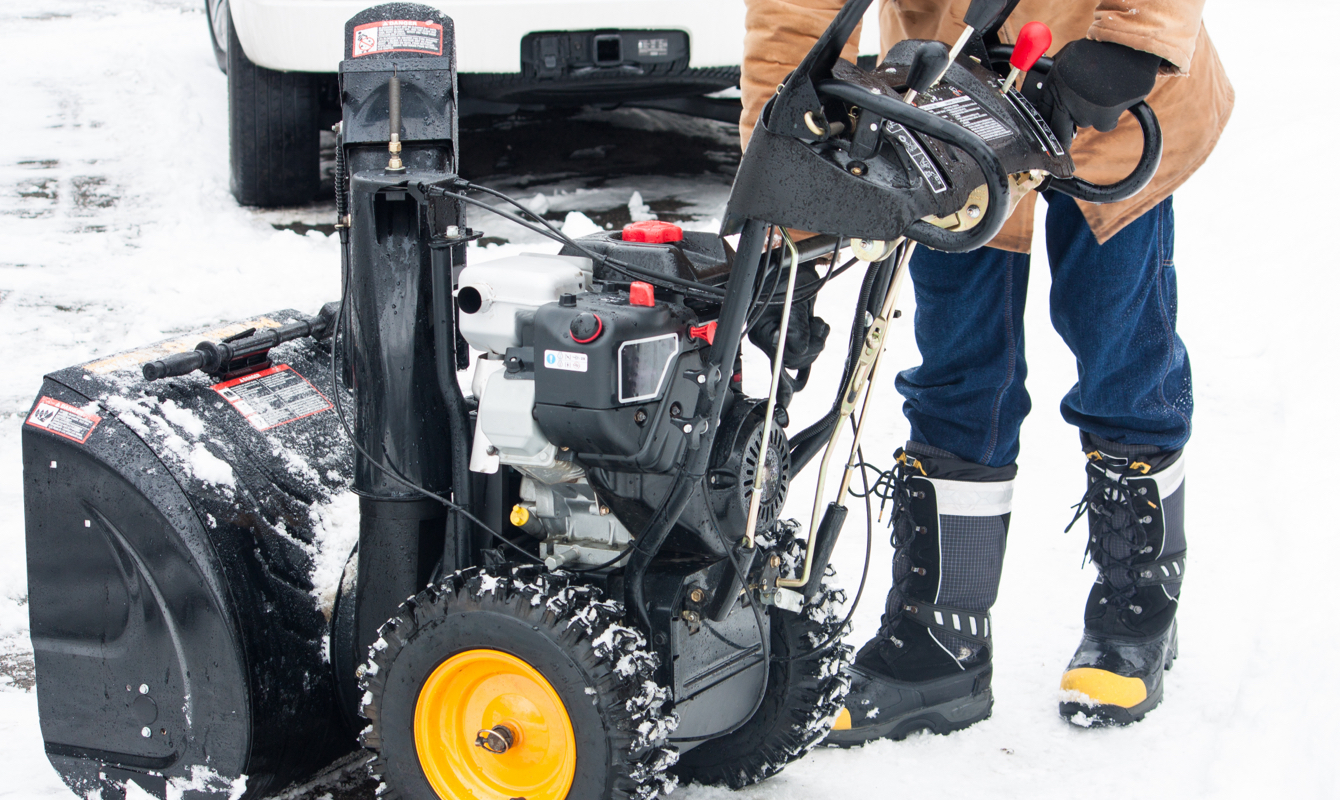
x: 1114, y: 304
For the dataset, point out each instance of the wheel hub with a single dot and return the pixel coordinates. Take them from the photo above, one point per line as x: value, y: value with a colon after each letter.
x: 490, y: 726
x: 497, y: 739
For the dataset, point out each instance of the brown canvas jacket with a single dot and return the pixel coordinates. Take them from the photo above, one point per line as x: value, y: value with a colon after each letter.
x: 1192, y: 98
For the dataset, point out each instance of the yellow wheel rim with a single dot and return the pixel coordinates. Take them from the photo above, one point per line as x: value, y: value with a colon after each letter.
x: 482, y: 690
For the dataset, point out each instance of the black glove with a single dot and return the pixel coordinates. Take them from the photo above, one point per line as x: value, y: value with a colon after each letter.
x: 806, y: 334
x: 1091, y: 83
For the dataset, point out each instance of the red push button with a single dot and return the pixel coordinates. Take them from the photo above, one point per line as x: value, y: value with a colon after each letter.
x: 641, y: 294
x: 652, y: 231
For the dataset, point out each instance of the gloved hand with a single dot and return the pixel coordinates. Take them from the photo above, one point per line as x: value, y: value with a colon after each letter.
x: 806, y: 333
x: 1090, y: 84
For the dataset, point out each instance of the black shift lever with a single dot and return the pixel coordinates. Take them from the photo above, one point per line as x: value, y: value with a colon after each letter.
x: 929, y: 62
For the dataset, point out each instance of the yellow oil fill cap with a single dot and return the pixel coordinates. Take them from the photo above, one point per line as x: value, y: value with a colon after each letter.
x: 519, y: 516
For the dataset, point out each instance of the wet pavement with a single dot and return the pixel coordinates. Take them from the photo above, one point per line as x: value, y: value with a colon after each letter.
x: 591, y: 161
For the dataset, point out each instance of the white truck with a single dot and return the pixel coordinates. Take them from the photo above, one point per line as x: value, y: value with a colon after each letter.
x: 281, y: 57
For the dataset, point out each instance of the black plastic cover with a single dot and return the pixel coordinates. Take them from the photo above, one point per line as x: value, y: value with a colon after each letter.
x: 615, y: 400
x: 428, y: 126
x: 791, y: 182
x: 170, y: 557
x: 701, y: 256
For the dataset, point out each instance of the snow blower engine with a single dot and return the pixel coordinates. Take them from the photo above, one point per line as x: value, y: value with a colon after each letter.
x: 513, y: 526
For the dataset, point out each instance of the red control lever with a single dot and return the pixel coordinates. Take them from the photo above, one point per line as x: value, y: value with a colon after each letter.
x: 1034, y: 39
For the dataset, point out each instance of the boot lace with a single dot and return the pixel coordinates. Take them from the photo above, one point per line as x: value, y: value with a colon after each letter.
x: 892, y: 487
x: 1118, y: 515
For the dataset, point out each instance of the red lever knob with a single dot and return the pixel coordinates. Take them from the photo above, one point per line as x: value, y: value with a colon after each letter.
x: 708, y: 332
x: 1034, y: 39
x: 641, y: 294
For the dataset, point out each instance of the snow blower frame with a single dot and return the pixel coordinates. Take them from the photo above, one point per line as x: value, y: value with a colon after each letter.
x: 599, y: 580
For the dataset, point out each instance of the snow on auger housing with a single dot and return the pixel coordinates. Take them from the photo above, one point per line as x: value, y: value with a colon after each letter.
x: 603, y: 598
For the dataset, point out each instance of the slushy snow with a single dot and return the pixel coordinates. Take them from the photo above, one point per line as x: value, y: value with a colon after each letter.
x: 117, y: 230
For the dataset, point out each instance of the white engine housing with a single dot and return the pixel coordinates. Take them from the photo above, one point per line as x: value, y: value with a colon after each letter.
x: 494, y: 298
x: 491, y: 296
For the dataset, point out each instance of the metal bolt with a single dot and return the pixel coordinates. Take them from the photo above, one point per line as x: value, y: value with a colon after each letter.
x: 974, y: 212
x: 145, y: 732
x: 676, y: 409
x: 688, y: 428
x: 874, y: 127
x: 496, y: 740
x: 702, y: 379
x: 697, y: 595
x: 690, y: 616
x: 775, y: 561
x: 604, y: 511
x: 144, y: 688
x: 639, y: 416
x: 493, y: 451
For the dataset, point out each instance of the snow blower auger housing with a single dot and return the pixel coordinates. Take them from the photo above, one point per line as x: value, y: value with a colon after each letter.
x: 573, y: 580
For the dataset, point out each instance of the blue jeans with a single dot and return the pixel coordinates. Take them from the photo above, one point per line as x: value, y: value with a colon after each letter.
x: 1115, y: 305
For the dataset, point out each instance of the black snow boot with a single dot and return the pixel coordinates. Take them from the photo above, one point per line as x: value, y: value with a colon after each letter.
x: 1134, y: 505
x: 929, y: 667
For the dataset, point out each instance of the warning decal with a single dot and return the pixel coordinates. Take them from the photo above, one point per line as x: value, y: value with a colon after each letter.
x: 565, y: 360
x: 918, y: 156
x: 965, y: 112
x: 273, y: 397
x: 397, y: 36
x: 63, y: 419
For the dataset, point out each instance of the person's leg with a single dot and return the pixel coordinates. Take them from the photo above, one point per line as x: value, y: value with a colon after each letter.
x: 1116, y: 307
x: 930, y: 664
x: 967, y: 396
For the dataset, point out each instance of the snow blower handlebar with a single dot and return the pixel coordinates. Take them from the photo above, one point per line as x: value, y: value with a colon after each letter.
x: 245, y: 352
x: 997, y: 182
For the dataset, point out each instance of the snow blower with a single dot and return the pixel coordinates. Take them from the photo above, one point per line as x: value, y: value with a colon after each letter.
x: 572, y: 580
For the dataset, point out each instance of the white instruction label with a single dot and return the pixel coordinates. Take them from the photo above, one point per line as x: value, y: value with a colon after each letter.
x: 562, y: 359
x: 966, y: 112
x: 397, y: 36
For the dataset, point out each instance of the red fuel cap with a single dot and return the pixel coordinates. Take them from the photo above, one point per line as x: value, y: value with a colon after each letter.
x: 652, y: 232
x: 641, y: 294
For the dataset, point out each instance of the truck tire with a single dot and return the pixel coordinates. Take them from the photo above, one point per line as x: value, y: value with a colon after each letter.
x: 274, y: 150
x: 216, y: 16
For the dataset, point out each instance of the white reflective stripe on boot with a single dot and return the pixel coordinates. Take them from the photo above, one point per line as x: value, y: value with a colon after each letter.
x: 971, y: 498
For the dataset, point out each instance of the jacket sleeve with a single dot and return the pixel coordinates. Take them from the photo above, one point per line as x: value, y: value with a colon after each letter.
x: 778, y: 34
x: 1167, y: 28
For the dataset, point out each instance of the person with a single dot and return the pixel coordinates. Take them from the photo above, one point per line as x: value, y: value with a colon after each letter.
x: 1113, y: 301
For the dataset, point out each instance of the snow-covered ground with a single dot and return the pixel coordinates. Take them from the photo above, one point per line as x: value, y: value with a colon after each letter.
x: 117, y: 229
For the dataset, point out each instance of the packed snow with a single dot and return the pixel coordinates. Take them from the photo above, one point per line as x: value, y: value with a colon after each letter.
x: 117, y: 230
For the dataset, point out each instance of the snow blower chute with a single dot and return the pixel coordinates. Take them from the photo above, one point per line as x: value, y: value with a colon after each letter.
x: 603, y: 596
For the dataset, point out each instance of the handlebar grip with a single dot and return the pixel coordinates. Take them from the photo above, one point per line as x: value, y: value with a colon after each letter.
x: 1127, y: 187
x: 173, y: 365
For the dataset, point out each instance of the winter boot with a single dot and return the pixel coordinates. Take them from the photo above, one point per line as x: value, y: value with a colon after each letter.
x: 1136, y: 539
x: 929, y: 667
